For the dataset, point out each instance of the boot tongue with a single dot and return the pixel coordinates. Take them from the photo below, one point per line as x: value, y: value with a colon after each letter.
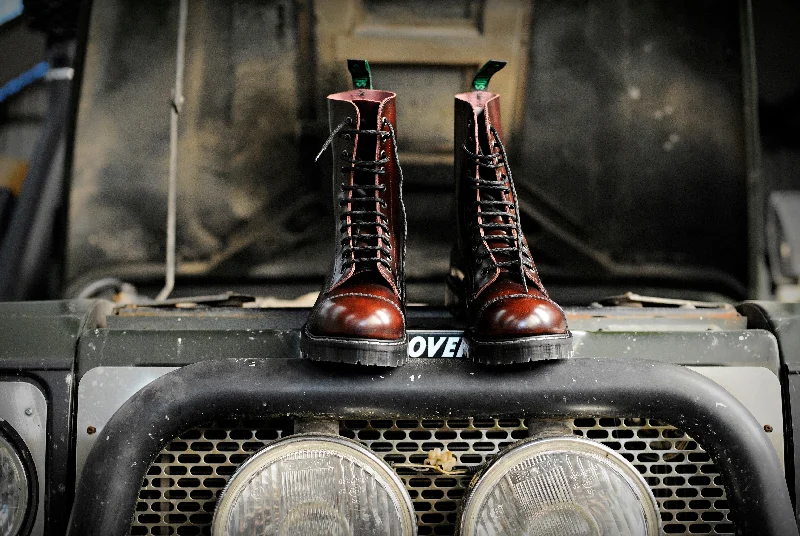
x: 366, y: 142
x: 486, y: 147
x: 366, y: 151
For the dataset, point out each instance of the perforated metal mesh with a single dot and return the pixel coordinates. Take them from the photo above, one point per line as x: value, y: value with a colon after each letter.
x: 685, y: 481
x: 181, y: 488
x: 180, y: 491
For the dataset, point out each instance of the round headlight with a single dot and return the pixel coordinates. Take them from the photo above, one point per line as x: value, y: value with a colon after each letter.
x: 560, y: 486
x: 314, y: 484
x: 13, y: 489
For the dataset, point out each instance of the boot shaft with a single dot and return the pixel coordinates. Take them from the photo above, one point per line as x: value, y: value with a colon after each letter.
x: 474, y: 112
x: 364, y: 155
x: 488, y: 243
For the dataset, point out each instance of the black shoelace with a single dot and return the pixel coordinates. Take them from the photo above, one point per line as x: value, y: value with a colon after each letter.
x: 492, y: 204
x: 362, y: 198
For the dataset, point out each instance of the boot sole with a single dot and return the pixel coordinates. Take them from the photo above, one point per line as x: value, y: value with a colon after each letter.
x: 506, y: 351
x: 369, y: 352
x: 519, y: 350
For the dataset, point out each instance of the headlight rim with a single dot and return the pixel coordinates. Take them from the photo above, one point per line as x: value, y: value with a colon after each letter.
x: 400, y: 492
x: 20, y: 449
x: 490, y: 467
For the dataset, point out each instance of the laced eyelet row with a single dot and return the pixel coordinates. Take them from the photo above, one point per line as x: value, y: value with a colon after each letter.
x: 507, y: 211
x: 356, y: 219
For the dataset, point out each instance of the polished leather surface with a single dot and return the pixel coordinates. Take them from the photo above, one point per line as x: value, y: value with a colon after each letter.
x: 359, y: 309
x: 364, y: 300
x: 497, y: 304
x: 504, y: 310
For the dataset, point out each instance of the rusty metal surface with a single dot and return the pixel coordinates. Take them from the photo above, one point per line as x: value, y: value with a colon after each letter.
x: 238, y: 157
x: 653, y: 319
x: 229, y: 306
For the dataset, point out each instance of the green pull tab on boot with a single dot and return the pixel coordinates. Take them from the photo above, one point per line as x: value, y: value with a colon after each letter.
x: 362, y: 76
x: 485, y: 73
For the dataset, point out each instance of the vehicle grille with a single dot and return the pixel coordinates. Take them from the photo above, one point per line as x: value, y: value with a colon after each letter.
x: 179, y: 493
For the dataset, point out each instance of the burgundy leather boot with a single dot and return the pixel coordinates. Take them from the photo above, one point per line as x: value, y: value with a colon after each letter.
x: 493, y: 280
x: 359, y: 316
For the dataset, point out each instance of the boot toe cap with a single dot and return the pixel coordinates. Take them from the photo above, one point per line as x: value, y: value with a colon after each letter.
x: 515, y: 317
x: 359, y: 316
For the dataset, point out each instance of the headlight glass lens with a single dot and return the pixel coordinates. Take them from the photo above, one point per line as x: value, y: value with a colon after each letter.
x: 560, y: 487
x: 13, y: 489
x: 318, y: 485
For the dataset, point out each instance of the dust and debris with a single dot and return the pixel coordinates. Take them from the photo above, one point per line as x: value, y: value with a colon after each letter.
x: 438, y: 460
x: 441, y: 458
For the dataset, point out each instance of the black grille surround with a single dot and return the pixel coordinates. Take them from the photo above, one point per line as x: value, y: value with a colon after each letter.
x: 182, y: 486
x: 111, y: 480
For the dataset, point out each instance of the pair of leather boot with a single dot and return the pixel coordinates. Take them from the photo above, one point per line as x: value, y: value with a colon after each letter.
x: 359, y: 317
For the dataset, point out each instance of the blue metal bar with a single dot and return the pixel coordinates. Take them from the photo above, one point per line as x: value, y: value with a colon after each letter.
x: 15, y: 85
